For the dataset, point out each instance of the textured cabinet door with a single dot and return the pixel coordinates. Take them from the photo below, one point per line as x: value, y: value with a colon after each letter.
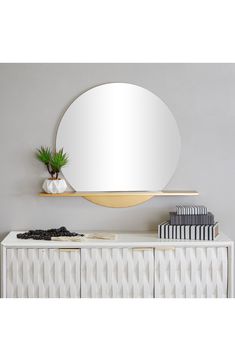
x: 191, y: 272
x: 117, y: 272
x: 42, y: 273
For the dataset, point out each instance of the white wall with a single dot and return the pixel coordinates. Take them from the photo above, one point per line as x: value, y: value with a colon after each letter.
x: 33, y: 98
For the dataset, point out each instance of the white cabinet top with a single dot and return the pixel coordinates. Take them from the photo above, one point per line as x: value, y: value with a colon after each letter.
x: 139, y: 239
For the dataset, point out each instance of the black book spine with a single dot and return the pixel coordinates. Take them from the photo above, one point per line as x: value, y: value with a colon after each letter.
x: 203, y: 219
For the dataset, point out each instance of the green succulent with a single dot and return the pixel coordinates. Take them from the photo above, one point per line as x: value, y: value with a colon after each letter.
x: 58, y: 160
x: 53, y: 161
x: 44, y: 155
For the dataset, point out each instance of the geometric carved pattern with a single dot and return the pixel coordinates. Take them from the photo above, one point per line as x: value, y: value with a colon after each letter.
x: 191, y: 272
x: 117, y: 272
x: 42, y: 273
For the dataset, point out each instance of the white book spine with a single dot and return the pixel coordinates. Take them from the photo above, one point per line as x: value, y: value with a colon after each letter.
x: 187, y: 232
x: 198, y: 233
x: 170, y: 231
x: 193, y: 233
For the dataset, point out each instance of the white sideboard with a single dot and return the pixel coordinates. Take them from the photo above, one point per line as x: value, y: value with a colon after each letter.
x: 135, y: 265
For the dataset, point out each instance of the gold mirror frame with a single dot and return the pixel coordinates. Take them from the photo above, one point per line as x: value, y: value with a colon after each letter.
x: 117, y: 201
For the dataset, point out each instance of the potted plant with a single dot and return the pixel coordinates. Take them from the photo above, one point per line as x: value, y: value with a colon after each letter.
x: 54, y: 162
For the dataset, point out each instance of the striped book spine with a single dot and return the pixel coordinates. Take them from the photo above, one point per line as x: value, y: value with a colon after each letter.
x: 188, y: 232
x: 191, y: 210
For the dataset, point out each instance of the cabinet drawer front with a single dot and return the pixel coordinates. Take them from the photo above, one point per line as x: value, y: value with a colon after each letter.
x: 191, y: 272
x: 117, y: 272
x: 42, y: 273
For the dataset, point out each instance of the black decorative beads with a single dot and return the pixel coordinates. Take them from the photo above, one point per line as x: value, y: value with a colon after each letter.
x: 48, y: 234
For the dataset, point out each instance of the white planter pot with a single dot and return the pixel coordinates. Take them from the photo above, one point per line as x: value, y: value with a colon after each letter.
x: 54, y: 185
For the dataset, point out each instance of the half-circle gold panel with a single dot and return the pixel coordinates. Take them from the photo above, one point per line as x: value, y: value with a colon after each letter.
x: 118, y: 201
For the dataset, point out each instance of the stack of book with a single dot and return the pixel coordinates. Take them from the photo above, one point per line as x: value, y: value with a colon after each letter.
x: 191, y: 223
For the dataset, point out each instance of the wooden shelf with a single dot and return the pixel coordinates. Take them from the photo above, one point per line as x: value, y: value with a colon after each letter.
x: 120, y: 199
x: 118, y: 194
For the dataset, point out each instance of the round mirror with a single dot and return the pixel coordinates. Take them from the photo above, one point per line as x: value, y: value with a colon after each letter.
x: 119, y: 137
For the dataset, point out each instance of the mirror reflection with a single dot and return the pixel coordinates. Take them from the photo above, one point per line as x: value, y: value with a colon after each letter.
x: 120, y: 137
